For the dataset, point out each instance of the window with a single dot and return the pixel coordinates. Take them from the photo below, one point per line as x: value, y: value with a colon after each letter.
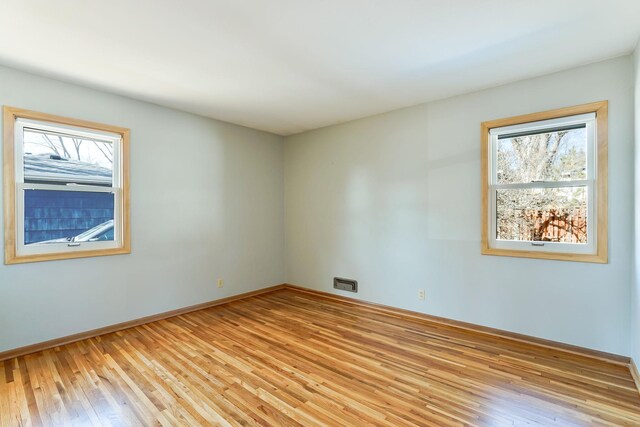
x: 66, y: 188
x: 544, y: 183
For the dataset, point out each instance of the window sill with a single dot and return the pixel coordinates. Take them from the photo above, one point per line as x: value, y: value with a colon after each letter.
x: 11, y: 258
x: 556, y: 256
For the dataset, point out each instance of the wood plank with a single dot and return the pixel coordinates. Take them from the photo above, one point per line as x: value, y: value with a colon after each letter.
x: 635, y: 374
x: 498, y: 333
x: 289, y: 357
x: 21, y: 351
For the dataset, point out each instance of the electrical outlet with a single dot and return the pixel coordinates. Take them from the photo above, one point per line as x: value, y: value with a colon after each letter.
x: 421, y: 294
x: 220, y: 283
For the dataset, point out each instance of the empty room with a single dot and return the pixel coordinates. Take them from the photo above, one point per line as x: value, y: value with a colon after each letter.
x: 320, y: 213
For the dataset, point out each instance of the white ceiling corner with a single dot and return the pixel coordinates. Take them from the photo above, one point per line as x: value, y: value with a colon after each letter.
x: 287, y: 66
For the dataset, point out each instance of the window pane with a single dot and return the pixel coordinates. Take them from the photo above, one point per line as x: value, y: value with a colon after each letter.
x: 67, y: 216
x: 542, y: 214
x: 50, y: 157
x: 548, y: 156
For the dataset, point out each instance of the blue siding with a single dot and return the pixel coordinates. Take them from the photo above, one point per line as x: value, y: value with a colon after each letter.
x: 57, y: 214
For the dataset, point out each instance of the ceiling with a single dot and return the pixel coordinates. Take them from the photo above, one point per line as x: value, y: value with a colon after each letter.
x: 286, y: 66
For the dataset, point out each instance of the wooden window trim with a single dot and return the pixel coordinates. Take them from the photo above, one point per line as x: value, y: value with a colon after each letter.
x: 10, y: 114
x: 601, y: 111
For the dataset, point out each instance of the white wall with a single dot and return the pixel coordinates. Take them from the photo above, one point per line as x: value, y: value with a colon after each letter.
x: 635, y: 297
x: 391, y: 200
x: 394, y: 202
x: 206, y: 202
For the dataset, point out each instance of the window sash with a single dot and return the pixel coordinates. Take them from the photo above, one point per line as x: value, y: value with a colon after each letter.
x: 66, y: 130
x: 21, y: 187
x: 33, y: 125
x: 581, y: 248
x: 590, y: 183
x: 543, y: 125
x: 39, y: 249
x: 542, y: 184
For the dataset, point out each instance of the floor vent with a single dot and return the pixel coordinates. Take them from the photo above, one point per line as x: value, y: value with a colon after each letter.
x: 345, y: 284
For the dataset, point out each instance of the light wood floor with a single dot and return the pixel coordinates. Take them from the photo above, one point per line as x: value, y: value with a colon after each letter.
x: 290, y: 358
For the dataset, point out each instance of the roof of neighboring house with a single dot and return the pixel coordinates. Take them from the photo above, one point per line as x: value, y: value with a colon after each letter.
x: 48, y: 167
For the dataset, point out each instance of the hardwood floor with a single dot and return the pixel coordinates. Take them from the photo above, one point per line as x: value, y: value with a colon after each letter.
x: 291, y: 358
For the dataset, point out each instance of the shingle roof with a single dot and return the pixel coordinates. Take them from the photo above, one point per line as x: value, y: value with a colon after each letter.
x: 55, y: 168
